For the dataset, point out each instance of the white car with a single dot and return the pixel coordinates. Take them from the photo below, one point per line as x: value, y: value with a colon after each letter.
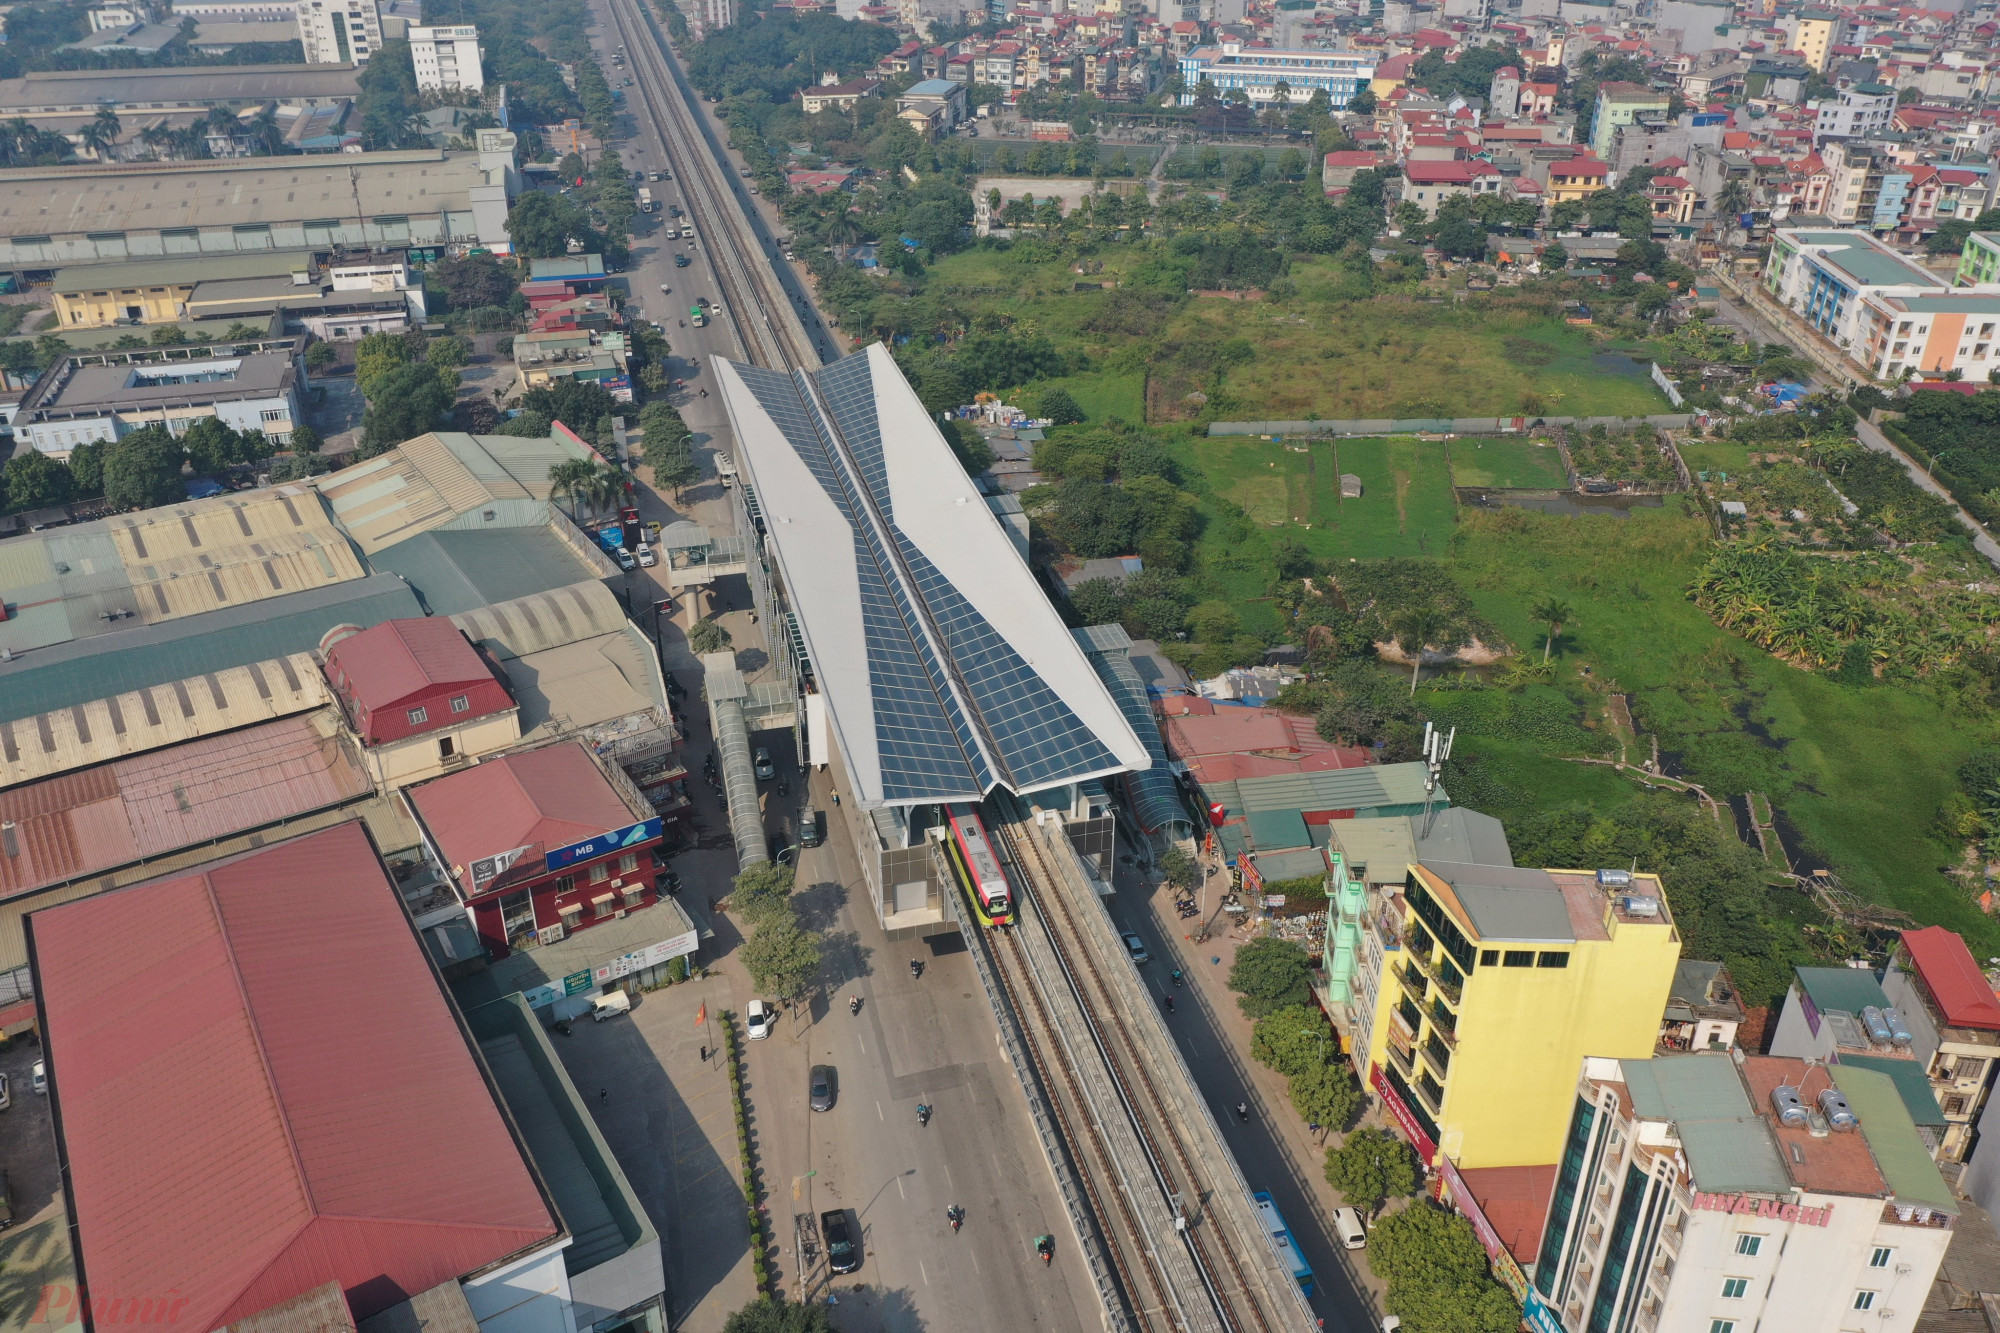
x: 758, y: 1020
x: 687, y: 233
x: 646, y: 556
x: 39, y: 1078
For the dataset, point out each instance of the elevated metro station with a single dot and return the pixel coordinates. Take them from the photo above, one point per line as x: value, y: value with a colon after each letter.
x: 923, y: 662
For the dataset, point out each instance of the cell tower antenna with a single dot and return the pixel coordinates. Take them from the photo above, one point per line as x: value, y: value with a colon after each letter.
x: 1437, y: 750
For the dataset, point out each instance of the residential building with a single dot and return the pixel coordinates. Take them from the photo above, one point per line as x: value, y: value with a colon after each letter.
x: 447, y: 59
x: 833, y: 95
x: 540, y: 844
x: 1508, y: 977
x: 1815, y: 32
x: 1853, y: 113
x: 1618, y: 105
x: 421, y: 1185
x: 1953, y: 1021
x: 1338, y: 169
x: 1718, y: 1193
x: 1429, y: 184
x: 108, y: 395
x: 1882, y: 311
x: 1704, y: 1009
x: 1258, y: 71
x: 1693, y: 22
x: 156, y: 210
x: 339, y: 32
x: 419, y: 697
x: 1979, y: 261
x: 1577, y: 178
x: 574, y: 354
x: 933, y: 107
x: 1673, y: 199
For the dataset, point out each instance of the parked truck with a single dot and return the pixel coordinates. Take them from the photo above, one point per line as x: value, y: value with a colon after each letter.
x: 647, y: 204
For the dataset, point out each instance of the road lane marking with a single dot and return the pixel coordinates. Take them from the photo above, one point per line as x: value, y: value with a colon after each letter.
x: 924, y: 1271
x: 899, y: 1187
x: 878, y: 1113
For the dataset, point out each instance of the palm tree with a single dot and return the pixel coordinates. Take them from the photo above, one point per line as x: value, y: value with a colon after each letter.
x: 1415, y: 629
x: 100, y: 132
x: 1553, y: 612
x: 1733, y: 197
x: 606, y: 485
x: 571, y: 478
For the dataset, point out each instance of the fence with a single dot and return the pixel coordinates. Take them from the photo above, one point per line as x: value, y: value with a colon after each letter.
x: 1666, y: 385
x: 1439, y: 425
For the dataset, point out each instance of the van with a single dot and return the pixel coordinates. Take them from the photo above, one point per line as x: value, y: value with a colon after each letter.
x: 1348, y: 1230
x: 811, y: 832
x: 610, y: 1006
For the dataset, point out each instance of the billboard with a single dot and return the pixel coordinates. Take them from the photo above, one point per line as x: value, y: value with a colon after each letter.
x: 629, y: 836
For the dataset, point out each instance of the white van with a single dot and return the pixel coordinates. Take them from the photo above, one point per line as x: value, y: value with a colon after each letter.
x: 610, y: 1006
x: 1348, y: 1230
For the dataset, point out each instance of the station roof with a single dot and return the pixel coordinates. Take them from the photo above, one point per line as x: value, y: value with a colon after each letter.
x: 97, y: 819
x: 211, y: 1070
x: 205, y: 85
x: 947, y: 671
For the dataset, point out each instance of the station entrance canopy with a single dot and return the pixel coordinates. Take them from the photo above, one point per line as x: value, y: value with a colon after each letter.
x: 946, y: 670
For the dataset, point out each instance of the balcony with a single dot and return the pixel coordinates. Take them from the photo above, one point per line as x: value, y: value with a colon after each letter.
x: 1438, y: 1059
x: 1430, y: 1092
x: 1412, y: 981
x: 1418, y: 940
x: 1399, y: 1060
x: 1453, y: 992
x: 1445, y: 1023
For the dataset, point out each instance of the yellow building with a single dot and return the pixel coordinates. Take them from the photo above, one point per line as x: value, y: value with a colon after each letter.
x: 1506, y: 979
x: 1815, y: 35
x: 156, y: 291
x: 1578, y: 178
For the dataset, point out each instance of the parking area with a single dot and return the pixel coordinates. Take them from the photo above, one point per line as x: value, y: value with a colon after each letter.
x: 34, y: 1251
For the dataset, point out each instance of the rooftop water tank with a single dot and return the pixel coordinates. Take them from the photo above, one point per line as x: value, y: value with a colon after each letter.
x: 1878, y: 1026
x: 1614, y: 879
x: 1639, y: 906
x: 1899, y: 1031
x: 1791, y: 1108
x: 1838, y: 1113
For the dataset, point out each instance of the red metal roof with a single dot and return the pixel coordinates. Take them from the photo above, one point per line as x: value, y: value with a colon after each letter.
x: 158, y: 802
x: 399, y: 658
x: 262, y: 1088
x: 1953, y: 978
x: 1515, y: 1200
x: 540, y: 799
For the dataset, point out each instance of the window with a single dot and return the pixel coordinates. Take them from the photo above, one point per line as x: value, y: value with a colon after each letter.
x: 460, y: 704
x: 1489, y: 958
x: 1734, y: 1287
x: 628, y: 863
x: 603, y: 907
x: 276, y: 414
x: 419, y: 716
x: 1722, y: 1326
x: 1864, y: 1300
x: 1749, y: 1245
x: 1552, y: 958
x: 600, y: 872
x: 445, y: 747
x: 1518, y: 958
x: 565, y: 883
x: 1880, y: 1257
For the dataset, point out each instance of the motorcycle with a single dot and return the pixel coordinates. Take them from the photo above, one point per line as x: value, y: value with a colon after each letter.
x: 1243, y: 1112
x: 1179, y: 980
x: 923, y: 1114
x: 916, y: 968
x: 956, y: 1216
x: 1168, y: 1000
x: 1046, y: 1247
x: 854, y: 1004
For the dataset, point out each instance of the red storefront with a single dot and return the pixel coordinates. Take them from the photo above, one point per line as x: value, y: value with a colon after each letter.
x: 540, y: 844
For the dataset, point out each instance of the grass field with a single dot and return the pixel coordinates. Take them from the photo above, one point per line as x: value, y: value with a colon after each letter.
x: 1507, y: 464
x: 1405, y: 506
x: 1103, y: 394
x: 1858, y: 769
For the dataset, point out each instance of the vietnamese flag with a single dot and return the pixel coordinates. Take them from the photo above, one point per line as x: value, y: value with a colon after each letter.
x: 1216, y: 814
x: 702, y: 1017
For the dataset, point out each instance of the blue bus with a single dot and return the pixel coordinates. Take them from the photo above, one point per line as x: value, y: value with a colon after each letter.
x: 1282, y: 1242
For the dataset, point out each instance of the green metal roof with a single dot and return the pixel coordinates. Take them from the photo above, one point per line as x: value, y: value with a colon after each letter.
x: 1866, y: 261
x: 1275, y: 830
x: 1892, y: 1136
x: 181, y: 270
x: 459, y: 571
x: 1847, y: 988
x: 1278, y: 866
x: 1376, y: 789
x: 76, y: 672
x: 1729, y: 1147
x: 1911, y: 1083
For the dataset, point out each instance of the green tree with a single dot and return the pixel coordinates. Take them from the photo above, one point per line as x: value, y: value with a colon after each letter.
x: 541, y: 226
x: 1271, y: 974
x: 1555, y: 613
x: 321, y: 357
x: 143, y: 469
x: 389, y: 103
x: 1178, y: 869
x: 297, y: 467
x: 782, y: 957
x: 770, y: 1314
x: 1059, y: 407
x: 1416, y: 629
x: 1294, y: 1039
x: 569, y: 479
x: 1372, y: 1166
x: 1438, y: 1274
x: 210, y: 445
x: 1362, y: 103
x: 376, y: 355
x: 86, y: 466
x: 1326, y: 1095
x: 708, y: 636
x: 673, y: 464
x: 306, y: 440
x: 472, y: 282
x: 762, y: 891
x: 407, y: 402
x: 448, y: 353
x: 576, y: 403
x: 36, y: 481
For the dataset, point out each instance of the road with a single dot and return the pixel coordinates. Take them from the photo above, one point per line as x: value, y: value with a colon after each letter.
x: 930, y: 1039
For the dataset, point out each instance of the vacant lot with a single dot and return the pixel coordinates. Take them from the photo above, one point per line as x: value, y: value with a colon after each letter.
x: 1507, y: 464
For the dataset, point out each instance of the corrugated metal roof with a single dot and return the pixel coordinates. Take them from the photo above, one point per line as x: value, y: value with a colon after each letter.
x: 90, y: 821
x: 1851, y: 989
x: 587, y: 684
x: 427, y: 482
x: 1892, y: 1136
x: 1953, y: 978
x: 1375, y: 787
x: 1276, y: 830
x: 139, y: 720
x: 542, y: 799
x: 399, y: 658
x: 544, y: 620
x: 1912, y: 1084
x: 457, y: 571
x: 1729, y: 1147
x: 1507, y: 902
x: 243, y: 1122
x: 144, y: 655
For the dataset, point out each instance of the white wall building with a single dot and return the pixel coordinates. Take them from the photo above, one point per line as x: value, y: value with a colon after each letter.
x: 447, y: 58
x: 1880, y: 310
x: 1713, y: 1193
x: 1259, y: 71
x: 339, y: 32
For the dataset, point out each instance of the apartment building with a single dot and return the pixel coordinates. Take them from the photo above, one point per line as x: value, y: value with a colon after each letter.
x: 1507, y: 979
x: 1259, y: 71
x: 1718, y: 1193
x: 104, y: 397
x: 1428, y: 184
x: 339, y: 32
x: 1618, y: 105
x: 1815, y: 32
x: 1952, y: 1017
x: 1881, y: 310
x: 447, y: 59
x: 1853, y: 113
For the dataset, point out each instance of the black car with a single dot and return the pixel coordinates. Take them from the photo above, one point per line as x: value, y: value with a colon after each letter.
x: 842, y: 1254
x: 681, y: 261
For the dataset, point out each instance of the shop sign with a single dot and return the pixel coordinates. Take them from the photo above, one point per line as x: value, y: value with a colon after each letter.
x: 1505, y: 1267
x: 1402, y: 1114
x: 1771, y: 1208
x: 629, y: 836
x: 1274, y: 900
x: 489, y: 868
x: 576, y: 983
x: 651, y: 956
x: 1539, y: 1316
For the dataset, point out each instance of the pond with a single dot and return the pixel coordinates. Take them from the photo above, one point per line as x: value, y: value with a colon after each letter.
x: 1620, y: 364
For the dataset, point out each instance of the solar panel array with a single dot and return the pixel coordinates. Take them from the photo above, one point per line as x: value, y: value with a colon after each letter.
x: 958, y: 710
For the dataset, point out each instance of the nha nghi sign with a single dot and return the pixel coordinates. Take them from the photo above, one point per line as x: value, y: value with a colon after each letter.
x: 1771, y: 1208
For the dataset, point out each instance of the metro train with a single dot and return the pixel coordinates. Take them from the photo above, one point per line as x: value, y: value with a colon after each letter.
x: 979, y: 869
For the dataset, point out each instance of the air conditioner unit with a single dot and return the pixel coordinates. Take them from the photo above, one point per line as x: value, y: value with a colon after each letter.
x: 618, y: 915
x: 550, y: 934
